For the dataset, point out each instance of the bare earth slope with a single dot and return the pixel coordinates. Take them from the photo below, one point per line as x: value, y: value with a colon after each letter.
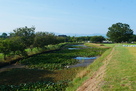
x: 95, y: 82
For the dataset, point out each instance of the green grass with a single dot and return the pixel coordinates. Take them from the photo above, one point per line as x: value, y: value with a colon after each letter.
x: 87, y: 72
x: 1, y: 57
x: 109, y: 45
x: 121, y: 71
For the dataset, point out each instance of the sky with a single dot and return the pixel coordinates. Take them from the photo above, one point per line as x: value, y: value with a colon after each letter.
x: 67, y: 16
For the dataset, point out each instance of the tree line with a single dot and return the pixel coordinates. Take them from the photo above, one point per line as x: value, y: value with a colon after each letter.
x: 23, y: 38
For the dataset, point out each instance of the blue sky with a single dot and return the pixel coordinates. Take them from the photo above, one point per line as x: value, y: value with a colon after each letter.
x: 67, y: 16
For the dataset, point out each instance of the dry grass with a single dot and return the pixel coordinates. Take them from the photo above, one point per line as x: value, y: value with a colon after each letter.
x: 96, y: 45
x: 82, y: 74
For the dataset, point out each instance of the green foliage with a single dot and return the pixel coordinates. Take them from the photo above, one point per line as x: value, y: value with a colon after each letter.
x: 34, y: 79
x: 26, y: 35
x: 119, y: 32
x: 133, y: 38
x: 44, y: 86
x: 59, y: 59
x: 42, y: 39
x: 12, y: 46
x: 96, y: 39
x: 5, y: 47
x: 59, y: 79
x: 83, y: 38
x: 4, y: 35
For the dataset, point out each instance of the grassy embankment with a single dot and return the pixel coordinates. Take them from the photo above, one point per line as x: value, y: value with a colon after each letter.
x: 43, y: 69
x: 121, y: 71
x: 88, y: 72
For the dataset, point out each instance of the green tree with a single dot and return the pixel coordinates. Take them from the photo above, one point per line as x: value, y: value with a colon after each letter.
x: 5, y: 47
x: 4, y: 35
x: 26, y: 34
x: 119, y: 32
x: 96, y: 39
x: 133, y: 38
x: 17, y: 47
x: 44, y: 38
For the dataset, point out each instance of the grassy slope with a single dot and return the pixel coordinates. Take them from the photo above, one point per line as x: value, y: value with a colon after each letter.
x: 88, y: 72
x: 121, y: 74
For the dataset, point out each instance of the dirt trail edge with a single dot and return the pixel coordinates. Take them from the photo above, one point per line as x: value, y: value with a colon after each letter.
x: 95, y: 82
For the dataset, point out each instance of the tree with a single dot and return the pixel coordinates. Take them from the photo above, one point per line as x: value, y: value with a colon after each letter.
x: 44, y: 38
x: 133, y: 38
x: 17, y: 47
x: 4, y: 35
x: 26, y: 34
x: 96, y: 39
x: 119, y: 32
x: 5, y: 47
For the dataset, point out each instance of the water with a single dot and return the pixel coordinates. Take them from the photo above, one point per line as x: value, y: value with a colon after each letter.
x: 73, y: 48
x: 79, y: 45
x: 83, y: 61
x: 84, y: 58
x: 76, y: 46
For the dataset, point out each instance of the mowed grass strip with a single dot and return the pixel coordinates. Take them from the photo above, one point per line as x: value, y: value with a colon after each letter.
x: 121, y: 71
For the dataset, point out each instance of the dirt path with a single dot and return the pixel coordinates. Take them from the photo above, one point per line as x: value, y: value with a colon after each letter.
x: 95, y: 82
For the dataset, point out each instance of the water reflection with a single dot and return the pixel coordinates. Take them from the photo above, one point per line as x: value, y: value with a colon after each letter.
x: 85, y: 58
x: 83, y: 61
x: 79, y: 45
x: 73, y: 48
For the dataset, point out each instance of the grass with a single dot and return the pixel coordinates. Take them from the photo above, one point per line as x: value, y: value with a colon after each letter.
x: 109, y: 45
x: 87, y: 72
x: 121, y: 71
x: 1, y: 57
x: 99, y: 45
x: 120, y: 74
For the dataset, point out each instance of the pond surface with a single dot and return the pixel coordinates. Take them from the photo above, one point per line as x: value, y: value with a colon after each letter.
x: 76, y: 46
x: 73, y: 48
x: 85, y: 58
x: 83, y: 61
x: 79, y: 45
